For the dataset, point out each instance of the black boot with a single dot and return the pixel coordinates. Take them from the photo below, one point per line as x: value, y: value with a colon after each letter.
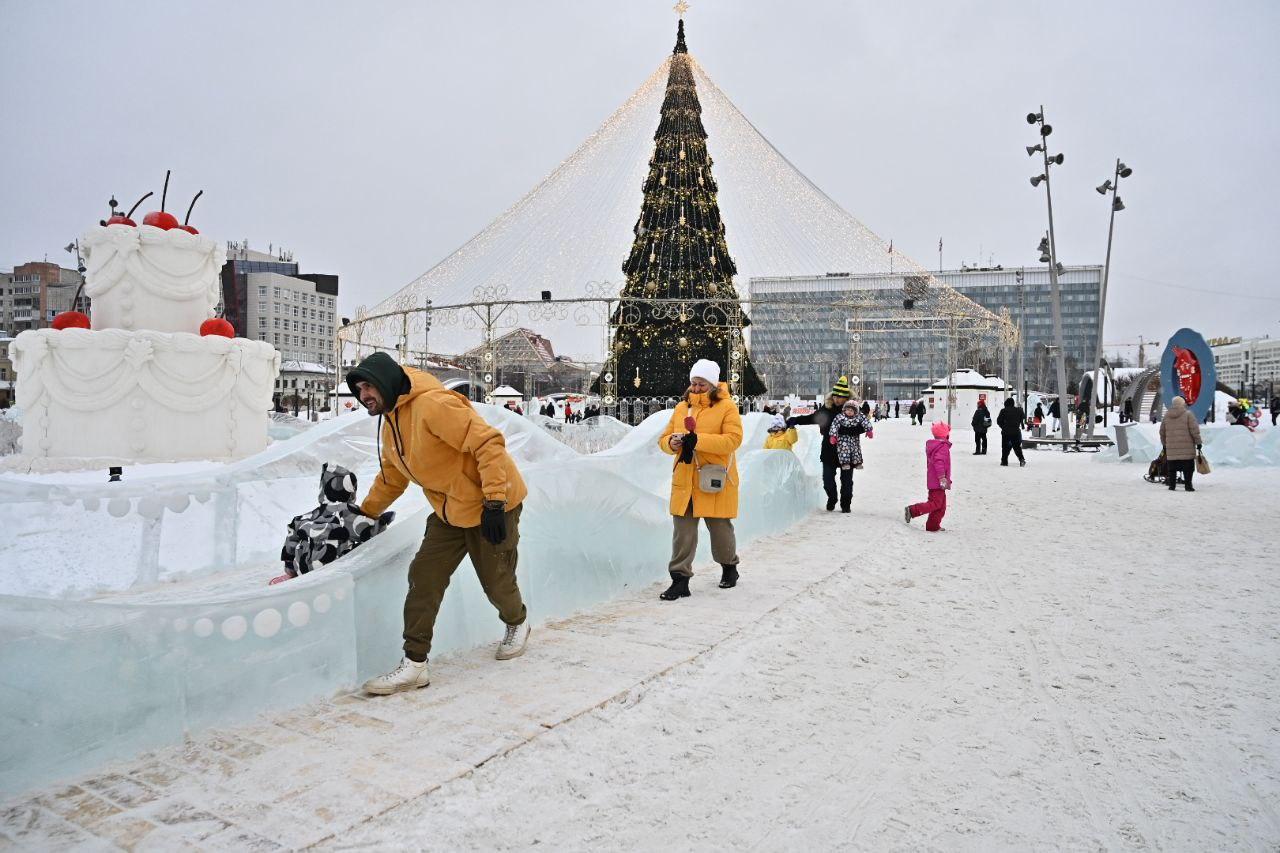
x: 679, y: 588
x: 728, y: 576
x: 831, y: 504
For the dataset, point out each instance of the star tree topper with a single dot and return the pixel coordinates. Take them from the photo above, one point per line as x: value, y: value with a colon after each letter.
x: 680, y: 8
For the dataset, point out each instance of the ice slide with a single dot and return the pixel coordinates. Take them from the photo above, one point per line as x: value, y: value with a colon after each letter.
x: 137, y: 612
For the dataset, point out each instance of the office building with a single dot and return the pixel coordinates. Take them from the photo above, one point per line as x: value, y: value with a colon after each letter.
x: 1250, y: 366
x: 802, y: 351
x: 266, y: 298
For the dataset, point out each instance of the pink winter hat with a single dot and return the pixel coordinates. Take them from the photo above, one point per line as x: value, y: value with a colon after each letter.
x: 941, y: 430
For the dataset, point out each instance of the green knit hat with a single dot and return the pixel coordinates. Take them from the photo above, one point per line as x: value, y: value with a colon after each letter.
x: 841, y: 388
x: 381, y: 371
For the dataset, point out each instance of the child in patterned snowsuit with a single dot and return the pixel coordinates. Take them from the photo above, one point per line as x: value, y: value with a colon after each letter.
x: 330, y: 530
x: 846, y: 434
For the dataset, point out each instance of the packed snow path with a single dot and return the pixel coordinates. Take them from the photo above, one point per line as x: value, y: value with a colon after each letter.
x: 1082, y: 660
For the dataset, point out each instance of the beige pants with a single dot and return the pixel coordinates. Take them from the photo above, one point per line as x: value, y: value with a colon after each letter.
x: 684, y: 541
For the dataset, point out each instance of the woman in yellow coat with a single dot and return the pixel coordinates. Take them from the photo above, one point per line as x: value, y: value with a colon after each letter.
x: 716, y: 434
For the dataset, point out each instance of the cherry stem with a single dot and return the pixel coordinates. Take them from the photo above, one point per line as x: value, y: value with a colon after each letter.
x: 193, y: 204
x: 164, y: 195
x: 129, y: 215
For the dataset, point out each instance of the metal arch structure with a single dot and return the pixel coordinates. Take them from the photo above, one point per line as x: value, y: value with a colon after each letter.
x: 953, y: 319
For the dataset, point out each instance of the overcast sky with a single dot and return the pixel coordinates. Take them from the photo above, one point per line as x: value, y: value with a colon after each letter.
x: 373, y: 138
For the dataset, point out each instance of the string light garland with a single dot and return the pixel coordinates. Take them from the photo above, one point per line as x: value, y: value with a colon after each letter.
x: 567, y: 234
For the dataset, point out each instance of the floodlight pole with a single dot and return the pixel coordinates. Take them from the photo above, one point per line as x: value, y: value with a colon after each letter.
x: 1022, y: 325
x: 1102, y: 298
x: 1055, y: 304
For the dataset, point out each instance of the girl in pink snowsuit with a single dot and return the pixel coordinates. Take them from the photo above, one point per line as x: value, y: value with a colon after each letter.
x: 937, y: 455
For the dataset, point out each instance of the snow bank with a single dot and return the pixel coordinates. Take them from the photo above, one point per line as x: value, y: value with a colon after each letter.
x: 84, y: 682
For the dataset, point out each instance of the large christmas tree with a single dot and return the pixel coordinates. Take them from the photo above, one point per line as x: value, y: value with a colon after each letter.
x: 679, y: 254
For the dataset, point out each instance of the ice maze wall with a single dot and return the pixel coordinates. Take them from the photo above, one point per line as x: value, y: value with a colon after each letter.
x: 188, y: 636
x: 1224, y: 446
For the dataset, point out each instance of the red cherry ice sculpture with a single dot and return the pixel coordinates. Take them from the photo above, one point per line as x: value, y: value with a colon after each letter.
x: 125, y: 218
x: 161, y: 220
x: 158, y: 218
x: 217, y: 326
x: 70, y: 320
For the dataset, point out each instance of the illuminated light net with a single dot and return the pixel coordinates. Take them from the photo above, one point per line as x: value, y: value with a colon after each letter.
x: 571, y: 233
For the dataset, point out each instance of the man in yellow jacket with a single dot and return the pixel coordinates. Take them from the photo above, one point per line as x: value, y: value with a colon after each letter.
x: 432, y: 437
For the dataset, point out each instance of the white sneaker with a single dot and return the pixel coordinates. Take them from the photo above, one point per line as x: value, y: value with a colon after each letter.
x: 513, y: 642
x: 409, y: 675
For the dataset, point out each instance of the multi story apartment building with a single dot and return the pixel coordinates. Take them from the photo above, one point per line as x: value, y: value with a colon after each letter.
x: 803, y: 355
x: 6, y: 371
x: 34, y: 293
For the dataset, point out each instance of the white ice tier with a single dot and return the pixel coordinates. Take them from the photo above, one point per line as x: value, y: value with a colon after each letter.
x: 142, y: 396
x: 149, y: 278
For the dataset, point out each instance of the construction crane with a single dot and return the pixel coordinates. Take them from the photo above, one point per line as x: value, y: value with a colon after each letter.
x: 1142, y: 345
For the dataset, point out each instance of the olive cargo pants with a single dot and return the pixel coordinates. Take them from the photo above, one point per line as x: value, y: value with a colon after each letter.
x: 443, y: 548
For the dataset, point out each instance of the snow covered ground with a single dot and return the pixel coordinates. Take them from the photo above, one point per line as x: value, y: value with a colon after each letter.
x: 1082, y: 660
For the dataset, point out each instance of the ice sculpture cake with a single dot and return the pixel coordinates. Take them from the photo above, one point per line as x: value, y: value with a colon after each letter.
x: 155, y: 376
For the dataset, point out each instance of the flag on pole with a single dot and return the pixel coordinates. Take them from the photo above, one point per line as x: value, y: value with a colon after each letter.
x: 891, y: 247
x: 939, y: 244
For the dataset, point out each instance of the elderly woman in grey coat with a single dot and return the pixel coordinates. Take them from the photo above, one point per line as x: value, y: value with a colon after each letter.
x: 1180, y: 435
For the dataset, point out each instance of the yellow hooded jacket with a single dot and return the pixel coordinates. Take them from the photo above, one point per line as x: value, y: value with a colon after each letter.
x: 433, y: 437
x: 781, y: 440
x: 719, y: 429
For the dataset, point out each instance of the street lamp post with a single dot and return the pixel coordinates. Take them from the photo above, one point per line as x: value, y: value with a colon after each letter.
x: 1022, y: 339
x: 1050, y: 253
x: 1113, y: 187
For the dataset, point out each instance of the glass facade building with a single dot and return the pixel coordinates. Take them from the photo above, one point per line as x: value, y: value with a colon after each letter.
x: 802, y: 352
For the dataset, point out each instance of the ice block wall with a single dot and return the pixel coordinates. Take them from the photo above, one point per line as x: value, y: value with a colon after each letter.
x: 85, y: 682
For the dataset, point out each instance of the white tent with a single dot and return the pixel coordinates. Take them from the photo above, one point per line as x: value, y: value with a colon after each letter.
x: 504, y: 394
x: 967, y: 387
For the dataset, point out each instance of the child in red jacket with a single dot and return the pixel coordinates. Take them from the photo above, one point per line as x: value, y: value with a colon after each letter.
x: 937, y: 454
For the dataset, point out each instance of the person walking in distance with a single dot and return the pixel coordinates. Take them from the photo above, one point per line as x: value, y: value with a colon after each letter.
x: 823, y: 416
x: 704, y: 431
x: 1010, y: 421
x: 981, y: 423
x: 1180, y: 436
x: 432, y: 437
x: 937, y: 456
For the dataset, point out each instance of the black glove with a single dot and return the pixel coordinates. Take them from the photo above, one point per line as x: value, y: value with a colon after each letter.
x: 1198, y: 447
x: 687, y: 444
x: 792, y: 422
x: 493, y: 522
